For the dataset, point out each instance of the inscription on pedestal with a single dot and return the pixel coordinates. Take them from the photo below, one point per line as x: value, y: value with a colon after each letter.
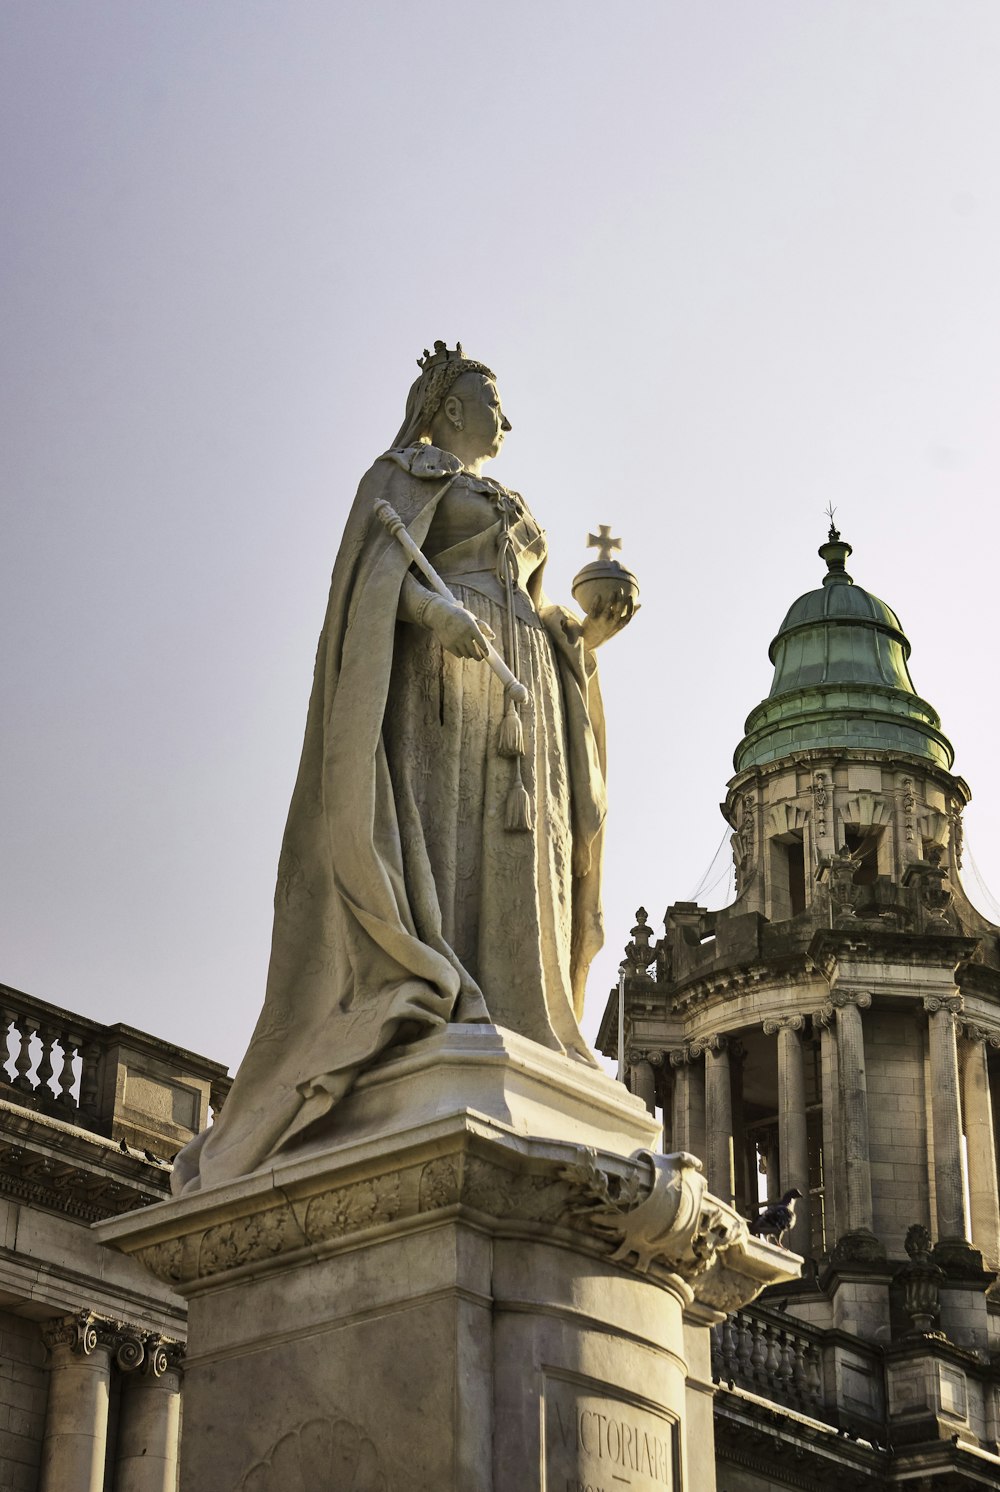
x: 596, y: 1439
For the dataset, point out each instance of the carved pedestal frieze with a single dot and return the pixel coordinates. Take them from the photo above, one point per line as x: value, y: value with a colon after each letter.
x: 657, y: 1210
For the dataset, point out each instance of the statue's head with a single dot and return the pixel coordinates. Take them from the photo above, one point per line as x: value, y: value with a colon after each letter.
x: 454, y: 404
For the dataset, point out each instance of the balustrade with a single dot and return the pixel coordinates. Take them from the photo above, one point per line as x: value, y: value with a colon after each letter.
x: 771, y: 1356
x: 49, y: 1057
x: 51, y: 1061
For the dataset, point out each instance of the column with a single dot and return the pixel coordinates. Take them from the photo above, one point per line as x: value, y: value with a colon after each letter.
x: 946, y: 1117
x: 793, y: 1146
x: 718, y: 1120
x: 854, y: 1109
x: 149, y: 1428
x: 984, y: 1194
x: 642, y: 1079
x: 833, y: 1170
x: 76, y: 1420
x: 689, y: 1100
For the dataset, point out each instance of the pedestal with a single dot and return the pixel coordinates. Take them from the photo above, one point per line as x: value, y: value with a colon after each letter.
x: 435, y: 1297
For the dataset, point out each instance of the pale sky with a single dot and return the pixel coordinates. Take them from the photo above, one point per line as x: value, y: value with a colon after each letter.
x: 731, y: 262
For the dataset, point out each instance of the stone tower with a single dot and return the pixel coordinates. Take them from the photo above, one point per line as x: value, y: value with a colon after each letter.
x: 837, y: 1028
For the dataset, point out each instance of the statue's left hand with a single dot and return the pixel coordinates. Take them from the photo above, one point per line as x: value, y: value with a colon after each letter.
x: 608, y: 616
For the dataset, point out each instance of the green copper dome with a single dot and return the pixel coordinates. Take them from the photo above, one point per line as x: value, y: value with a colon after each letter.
x: 841, y: 678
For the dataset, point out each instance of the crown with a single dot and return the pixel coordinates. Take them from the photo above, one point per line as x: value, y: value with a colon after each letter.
x: 440, y: 355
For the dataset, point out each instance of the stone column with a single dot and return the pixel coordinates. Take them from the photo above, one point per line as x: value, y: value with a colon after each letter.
x: 793, y: 1146
x: 642, y: 1079
x: 149, y: 1428
x: 76, y: 1419
x: 718, y: 1119
x: 946, y: 1117
x: 689, y: 1101
x: 854, y: 1109
x: 984, y: 1194
x: 833, y: 1169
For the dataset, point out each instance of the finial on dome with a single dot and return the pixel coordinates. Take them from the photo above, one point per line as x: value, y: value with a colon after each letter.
x: 835, y: 552
x: 834, y: 533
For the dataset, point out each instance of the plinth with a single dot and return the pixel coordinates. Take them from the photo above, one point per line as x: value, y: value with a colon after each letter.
x: 468, y: 1285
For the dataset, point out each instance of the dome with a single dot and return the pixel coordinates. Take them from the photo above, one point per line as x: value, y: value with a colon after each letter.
x: 841, y: 678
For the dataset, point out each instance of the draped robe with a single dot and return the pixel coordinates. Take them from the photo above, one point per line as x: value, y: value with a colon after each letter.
x: 395, y: 850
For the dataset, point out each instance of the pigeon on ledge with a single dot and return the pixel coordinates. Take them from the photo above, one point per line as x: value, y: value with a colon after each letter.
x: 776, y: 1220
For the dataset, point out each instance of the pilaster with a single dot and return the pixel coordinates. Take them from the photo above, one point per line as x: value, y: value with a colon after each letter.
x: 946, y: 1116
x: 980, y: 1133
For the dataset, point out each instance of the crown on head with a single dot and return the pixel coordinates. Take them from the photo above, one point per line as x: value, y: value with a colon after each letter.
x: 440, y: 354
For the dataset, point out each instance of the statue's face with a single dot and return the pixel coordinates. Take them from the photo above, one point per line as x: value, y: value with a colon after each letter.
x: 484, y: 423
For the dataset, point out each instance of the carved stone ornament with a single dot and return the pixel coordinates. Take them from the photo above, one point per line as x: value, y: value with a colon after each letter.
x: 131, y: 1347
x: 654, y: 1209
x: 775, y: 1023
x: 953, y: 1004
x: 989, y: 1034
x: 822, y: 1018
x: 318, y: 1453
x: 840, y: 998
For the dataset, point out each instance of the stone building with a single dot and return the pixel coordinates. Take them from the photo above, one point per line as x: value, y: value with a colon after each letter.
x: 90, y: 1342
x: 837, y: 1030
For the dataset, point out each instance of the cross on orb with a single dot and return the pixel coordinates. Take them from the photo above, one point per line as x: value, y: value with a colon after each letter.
x: 603, y: 542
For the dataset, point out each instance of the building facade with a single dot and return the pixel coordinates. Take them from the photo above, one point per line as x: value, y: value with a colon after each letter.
x: 91, y: 1344
x: 836, y: 1030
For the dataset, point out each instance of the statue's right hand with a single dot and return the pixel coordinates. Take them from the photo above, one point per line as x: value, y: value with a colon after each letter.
x: 457, y: 630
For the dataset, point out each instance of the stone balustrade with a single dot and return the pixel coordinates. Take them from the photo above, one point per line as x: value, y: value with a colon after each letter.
x: 772, y: 1356
x: 112, y: 1080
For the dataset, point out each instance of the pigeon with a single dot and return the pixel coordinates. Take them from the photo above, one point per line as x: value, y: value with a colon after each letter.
x: 777, y: 1218
x: 153, y: 1159
x: 123, y: 1147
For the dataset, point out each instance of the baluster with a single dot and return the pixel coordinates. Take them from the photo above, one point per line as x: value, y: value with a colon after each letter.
x: 44, y: 1071
x: 744, y: 1341
x: 22, y: 1062
x: 814, y: 1377
x: 8, y: 1026
x: 773, y: 1356
x: 760, y: 1351
x: 785, y: 1369
x: 91, y: 1054
x: 799, y: 1383
x: 730, y: 1348
x: 715, y: 1336
x: 69, y: 1045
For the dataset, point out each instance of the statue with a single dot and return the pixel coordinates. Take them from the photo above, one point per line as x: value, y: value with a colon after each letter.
x: 442, y: 856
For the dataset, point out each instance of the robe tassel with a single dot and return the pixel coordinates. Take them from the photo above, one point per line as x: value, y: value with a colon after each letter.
x: 519, y: 817
x: 511, y: 741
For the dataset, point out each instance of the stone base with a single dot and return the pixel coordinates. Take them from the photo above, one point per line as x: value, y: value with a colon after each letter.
x: 490, y: 1073
x: 441, y: 1303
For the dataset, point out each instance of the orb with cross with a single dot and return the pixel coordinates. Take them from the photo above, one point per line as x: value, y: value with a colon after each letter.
x: 605, y: 580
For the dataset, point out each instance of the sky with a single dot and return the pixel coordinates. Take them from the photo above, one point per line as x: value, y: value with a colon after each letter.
x: 731, y: 262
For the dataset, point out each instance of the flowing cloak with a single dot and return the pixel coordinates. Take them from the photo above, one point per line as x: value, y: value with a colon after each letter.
x: 349, y: 973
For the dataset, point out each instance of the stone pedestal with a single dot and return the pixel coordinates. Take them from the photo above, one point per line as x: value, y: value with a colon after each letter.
x: 463, y: 1287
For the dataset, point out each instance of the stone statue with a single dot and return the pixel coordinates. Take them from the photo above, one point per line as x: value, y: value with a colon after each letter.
x: 442, y: 856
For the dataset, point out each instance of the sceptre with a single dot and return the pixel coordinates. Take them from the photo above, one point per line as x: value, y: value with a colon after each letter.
x: 387, y: 515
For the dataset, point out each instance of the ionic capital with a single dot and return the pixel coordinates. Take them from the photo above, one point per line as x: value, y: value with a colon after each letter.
x: 637, y: 1054
x: 85, y: 1332
x: 952, y: 1004
x: 987, y: 1034
x: 681, y: 1055
x: 822, y: 1018
x: 840, y: 998
x: 775, y: 1023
